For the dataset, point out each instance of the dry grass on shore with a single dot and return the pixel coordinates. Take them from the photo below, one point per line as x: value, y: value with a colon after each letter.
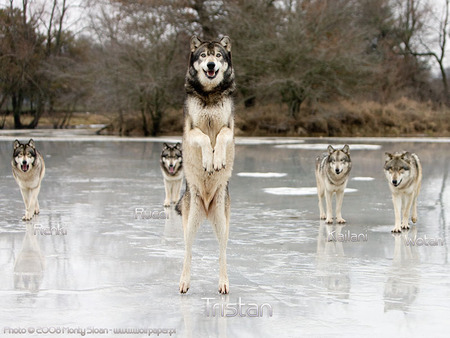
x: 404, y: 117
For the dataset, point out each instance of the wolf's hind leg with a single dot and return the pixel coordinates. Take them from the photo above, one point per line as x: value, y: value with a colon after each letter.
x: 219, y: 216
x: 193, y: 214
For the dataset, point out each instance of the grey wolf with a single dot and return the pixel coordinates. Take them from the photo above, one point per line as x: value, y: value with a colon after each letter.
x: 171, y: 162
x: 332, y: 172
x: 28, y: 170
x: 404, y: 174
x: 208, y: 148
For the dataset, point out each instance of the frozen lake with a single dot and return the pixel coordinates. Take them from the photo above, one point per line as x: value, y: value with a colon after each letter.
x: 107, y: 270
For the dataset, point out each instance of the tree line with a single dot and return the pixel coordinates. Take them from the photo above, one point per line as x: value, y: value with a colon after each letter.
x: 131, y: 56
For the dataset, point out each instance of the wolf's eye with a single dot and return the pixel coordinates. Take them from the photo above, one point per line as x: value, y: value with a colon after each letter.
x: 218, y: 55
x: 203, y: 55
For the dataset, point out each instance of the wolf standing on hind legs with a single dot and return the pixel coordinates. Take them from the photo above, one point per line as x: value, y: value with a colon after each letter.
x: 208, y: 149
x: 28, y: 170
x: 404, y: 174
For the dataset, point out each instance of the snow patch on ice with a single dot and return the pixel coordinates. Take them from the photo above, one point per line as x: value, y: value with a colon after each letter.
x: 323, y: 146
x: 362, y: 178
x: 261, y: 175
x: 264, y: 140
x: 287, y: 191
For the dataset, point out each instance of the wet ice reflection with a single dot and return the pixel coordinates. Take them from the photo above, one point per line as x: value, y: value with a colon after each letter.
x: 112, y: 269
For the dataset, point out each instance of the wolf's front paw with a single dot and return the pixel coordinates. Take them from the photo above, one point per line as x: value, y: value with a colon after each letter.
x: 329, y: 220
x: 27, y: 217
x: 224, y: 286
x: 323, y: 216
x: 396, y: 230
x: 166, y: 203
x: 219, y: 159
x: 414, y: 219
x: 405, y: 226
x: 184, y: 285
x: 207, y: 159
x: 340, y: 220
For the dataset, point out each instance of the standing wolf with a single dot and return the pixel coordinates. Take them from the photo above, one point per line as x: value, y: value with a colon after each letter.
x: 28, y: 170
x: 208, y: 148
x: 171, y: 162
x: 404, y: 174
x: 332, y: 172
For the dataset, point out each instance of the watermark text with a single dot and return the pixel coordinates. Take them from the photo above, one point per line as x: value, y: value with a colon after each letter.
x: 346, y: 236
x: 142, y: 213
x: 39, y: 229
x: 238, y: 309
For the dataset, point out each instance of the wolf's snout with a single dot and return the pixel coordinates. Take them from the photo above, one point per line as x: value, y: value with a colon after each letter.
x: 395, y: 182
x: 24, y: 166
x: 211, y: 72
x: 338, y: 171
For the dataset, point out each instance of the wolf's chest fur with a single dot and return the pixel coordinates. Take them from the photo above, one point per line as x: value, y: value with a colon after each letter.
x: 210, y: 118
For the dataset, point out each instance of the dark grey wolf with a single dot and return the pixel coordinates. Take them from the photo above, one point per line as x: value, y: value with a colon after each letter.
x: 171, y: 162
x: 404, y: 174
x: 332, y: 172
x: 208, y: 148
x: 28, y: 170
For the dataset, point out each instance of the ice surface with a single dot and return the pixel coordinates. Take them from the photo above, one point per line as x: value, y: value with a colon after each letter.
x: 113, y: 270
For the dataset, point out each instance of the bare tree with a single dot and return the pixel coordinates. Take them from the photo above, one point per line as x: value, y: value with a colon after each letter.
x: 438, y: 56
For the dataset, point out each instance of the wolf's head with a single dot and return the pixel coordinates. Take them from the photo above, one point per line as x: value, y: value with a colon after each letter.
x: 397, y: 167
x: 339, y: 160
x: 210, y: 66
x: 171, y: 158
x: 24, y: 155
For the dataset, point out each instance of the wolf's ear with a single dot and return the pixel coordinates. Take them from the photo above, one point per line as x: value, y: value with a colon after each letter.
x: 330, y: 149
x: 406, y: 155
x: 388, y: 157
x: 178, y: 145
x: 165, y: 145
x: 195, y: 43
x: 226, y: 43
x: 16, y: 144
x: 346, y: 149
x: 31, y: 143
